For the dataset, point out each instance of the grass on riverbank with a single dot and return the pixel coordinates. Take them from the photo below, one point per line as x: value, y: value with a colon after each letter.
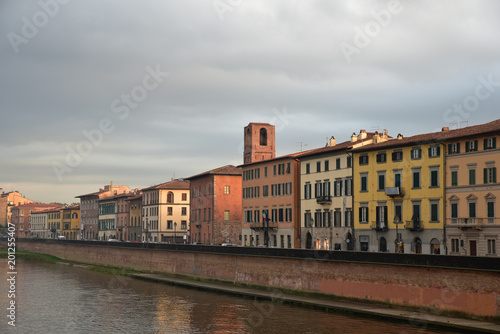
x: 32, y: 257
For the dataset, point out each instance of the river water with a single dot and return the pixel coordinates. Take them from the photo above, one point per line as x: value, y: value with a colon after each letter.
x: 55, y: 298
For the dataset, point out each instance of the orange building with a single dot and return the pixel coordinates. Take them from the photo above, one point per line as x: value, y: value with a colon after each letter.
x: 7, y: 201
x: 21, y: 217
x: 216, y: 206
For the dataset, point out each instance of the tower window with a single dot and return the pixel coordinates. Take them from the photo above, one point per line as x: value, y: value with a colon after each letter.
x: 263, y: 137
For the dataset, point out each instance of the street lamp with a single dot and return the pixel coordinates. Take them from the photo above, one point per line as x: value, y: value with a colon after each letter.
x: 175, y: 228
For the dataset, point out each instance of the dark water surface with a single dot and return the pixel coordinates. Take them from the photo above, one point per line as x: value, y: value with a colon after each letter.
x: 53, y: 298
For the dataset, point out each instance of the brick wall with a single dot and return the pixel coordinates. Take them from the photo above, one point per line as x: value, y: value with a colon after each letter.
x: 474, y: 292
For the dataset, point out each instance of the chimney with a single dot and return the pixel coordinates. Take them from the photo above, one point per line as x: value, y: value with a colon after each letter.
x: 332, y: 141
x: 400, y: 136
x: 445, y: 129
x: 385, y: 133
x: 354, y: 138
x: 362, y: 134
x: 375, y: 137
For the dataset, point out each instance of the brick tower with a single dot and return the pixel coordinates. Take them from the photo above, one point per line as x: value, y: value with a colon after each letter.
x: 259, y: 142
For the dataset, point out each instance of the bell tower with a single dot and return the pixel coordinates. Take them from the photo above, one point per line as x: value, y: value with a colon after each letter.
x: 259, y: 142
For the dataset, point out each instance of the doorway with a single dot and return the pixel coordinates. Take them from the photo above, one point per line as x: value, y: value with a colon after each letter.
x: 473, y: 247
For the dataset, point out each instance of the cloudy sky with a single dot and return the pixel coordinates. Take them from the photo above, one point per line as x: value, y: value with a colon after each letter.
x: 138, y: 92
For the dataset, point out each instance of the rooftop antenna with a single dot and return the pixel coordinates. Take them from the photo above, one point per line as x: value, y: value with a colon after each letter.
x: 301, y: 144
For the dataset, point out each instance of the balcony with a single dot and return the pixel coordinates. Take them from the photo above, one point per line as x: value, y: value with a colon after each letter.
x: 262, y: 226
x: 379, y: 226
x: 324, y: 200
x: 394, y: 192
x: 414, y: 225
x: 469, y: 223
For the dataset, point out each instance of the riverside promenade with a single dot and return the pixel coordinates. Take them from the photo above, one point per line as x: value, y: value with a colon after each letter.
x: 419, y: 319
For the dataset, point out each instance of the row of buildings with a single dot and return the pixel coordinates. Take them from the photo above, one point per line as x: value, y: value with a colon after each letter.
x: 432, y: 193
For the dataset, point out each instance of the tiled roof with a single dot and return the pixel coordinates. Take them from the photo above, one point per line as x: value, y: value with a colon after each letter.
x: 111, y: 197
x: 37, y: 205
x: 138, y: 196
x: 225, y: 170
x: 74, y: 207
x: 437, y: 137
x: 339, y: 147
x: 174, y: 185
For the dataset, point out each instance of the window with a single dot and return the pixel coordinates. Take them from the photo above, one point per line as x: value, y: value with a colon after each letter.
x: 226, y: 215
x: 398, y: 212
x: 490, y: 175
x: 256, y: 191
x: 337, y: 163
x: 348, y: 218
x: 492, y: 248
x: 308, y: 168
x: 337, y: 218
x: 281, y: 169
x: 169, y: 210
x: 169, y: 224
x: 434, y: 151
x: 265, y: 190
x: 281, y: 217
x: 455, y: 246
x: 307, y: 219
x: 397, y: 178
x: 397, y: 156
x: 288, y: 214
x: 327, y: 165
x: 337, y: 191
x: 381, y: 181
x: 326, y: 188
x: 274, y: 170
x: 454, y: 210
x: 257, y: 173
x: 434, y: 177
x: 184, y: 196
x: 454, y: 178
x: 263, y: 137
x: 434, y: 211
x: 491, y: 209
x: 363, y: 214
x: 490, y: 143
x: 184, y: 211
x: 472, y: 209
x: 170, y: 197
x: 381, y: 157
x: 364, y: 182
x: 363, y: 159
x: 454, y: 148
x: 349, y: 162
x: 416, y: 212
x: 318, y: 189
x: 416, y: 153
x: 471, y: 146
x: 274, y: 190
x: 318, y: 166
x: 348, y: 187
x: 265, y: 171
x: 472, y: 177
x: 288, y: 168
x: 307, y: 191
x: 226, y: 190
x: 416, y: 178
x: 381, y: 212
x: 183, y: 224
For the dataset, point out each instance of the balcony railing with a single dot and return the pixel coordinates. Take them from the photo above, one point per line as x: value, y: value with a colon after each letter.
x: 414, y: 225
x: 394, y: 191
x: 324, y: 200
x: 261, y: 225
x: 379, y: 226
x: 471, y: 223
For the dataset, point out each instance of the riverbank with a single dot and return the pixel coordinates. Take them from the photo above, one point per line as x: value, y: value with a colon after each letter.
x: 421, y: 320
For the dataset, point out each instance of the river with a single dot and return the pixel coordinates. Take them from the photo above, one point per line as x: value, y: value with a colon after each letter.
x: 55, y: 298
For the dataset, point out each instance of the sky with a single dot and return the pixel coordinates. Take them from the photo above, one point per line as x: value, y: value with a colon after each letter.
x: 140, y: 92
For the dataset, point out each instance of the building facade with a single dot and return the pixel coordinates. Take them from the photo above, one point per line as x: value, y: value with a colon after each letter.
x: 399, y: 195
x: 135, y: 226
x: 472, y: 190
x: 39, y: 226
x: 21, y: 217
x: 165, y: 212
x: 216, y: 206
x: 89, y: 208
x: 326, y: 194
x: 7, y: 202
x: 107, y: 226
x: 70, y: 222
x: 54, y: 221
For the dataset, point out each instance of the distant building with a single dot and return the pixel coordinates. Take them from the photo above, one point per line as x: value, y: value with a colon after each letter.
x: 39, y: 227
x: 54, y: 222
x: 9, y: 200
x: 216, y: 210
x: 70, y: 223
x: 113, y: 217
x: 134, y: 230
x: 165, y: 212
x: 21, y: 217
x: 89, y: 209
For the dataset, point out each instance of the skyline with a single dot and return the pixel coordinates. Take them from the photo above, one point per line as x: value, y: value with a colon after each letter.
x: 165, y: 90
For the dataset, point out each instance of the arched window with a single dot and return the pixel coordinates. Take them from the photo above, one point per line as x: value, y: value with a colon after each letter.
x: 263, y: 137
x: 435, y: 247
x: 383, y: 245
x: 170, y: 197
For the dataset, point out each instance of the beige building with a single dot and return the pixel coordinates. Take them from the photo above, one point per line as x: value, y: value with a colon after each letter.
x: 165, y: 212
x: 39, y: 224
x: 472, y: 190
x: 326, y: 194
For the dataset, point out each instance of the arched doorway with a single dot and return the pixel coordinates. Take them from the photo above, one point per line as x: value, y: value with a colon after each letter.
x: 349, y: 242
x: 417, y: 246
x: 382, y: 245
x: 435, y: 246
x: 309, y: 241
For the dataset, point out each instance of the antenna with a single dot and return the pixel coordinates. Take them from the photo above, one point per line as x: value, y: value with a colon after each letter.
x: 301, y: 144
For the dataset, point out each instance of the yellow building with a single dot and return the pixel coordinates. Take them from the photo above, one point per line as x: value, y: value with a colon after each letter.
x: 54, y: 223
x: 399, y: 195
x: 472, y: 190
x: 70, y: 222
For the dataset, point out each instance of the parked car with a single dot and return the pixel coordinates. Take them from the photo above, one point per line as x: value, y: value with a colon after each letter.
x: 61, y: 237
x: 113, y: 240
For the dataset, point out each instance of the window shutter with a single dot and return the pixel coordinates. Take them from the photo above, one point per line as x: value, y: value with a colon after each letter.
x: 385, y: 214
x: 430, y: 152
x: 494, y: 171
x: 377, y: 212
x: 467, y: 146
x: 360, y: 214
x: 494, y: 142
x: 438, y: 150
x: 449, y: 148
x: 485, y: 170
x: 340, y: 188
x: 485, y: 144
x: 475, y: 145
x: 458, y: 147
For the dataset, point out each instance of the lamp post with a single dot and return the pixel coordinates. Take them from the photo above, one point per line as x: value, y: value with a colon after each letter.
x: 175, y: 228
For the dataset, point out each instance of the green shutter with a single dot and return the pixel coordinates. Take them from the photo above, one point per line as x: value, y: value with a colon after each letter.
x: 360, y: 214
x: 494, y: 142
x: 494, y: 171
x: 377, y: 212
x: 485, y: 144
x: 385, y: 214
x: 438, y: 151
x: 458, y: 148
x: 475, y: 145
x: 467, y: 146
x: 449, y: 149
x: 430, y: 152
x: 485, y: 171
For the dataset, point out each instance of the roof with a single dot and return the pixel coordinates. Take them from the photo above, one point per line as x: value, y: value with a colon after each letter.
x: 436, y: 137
x: 117, y: 196
x: 74, y: 207
x: 225, y: 170
x: 46, y: 211
x: 91, y: 194
x: 339, y: 147
x: 37, y: 205
x: 133, y: 198
x: 173, y: 185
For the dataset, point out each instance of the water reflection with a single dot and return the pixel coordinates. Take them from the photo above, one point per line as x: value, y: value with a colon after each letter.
x: 62, y: 299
